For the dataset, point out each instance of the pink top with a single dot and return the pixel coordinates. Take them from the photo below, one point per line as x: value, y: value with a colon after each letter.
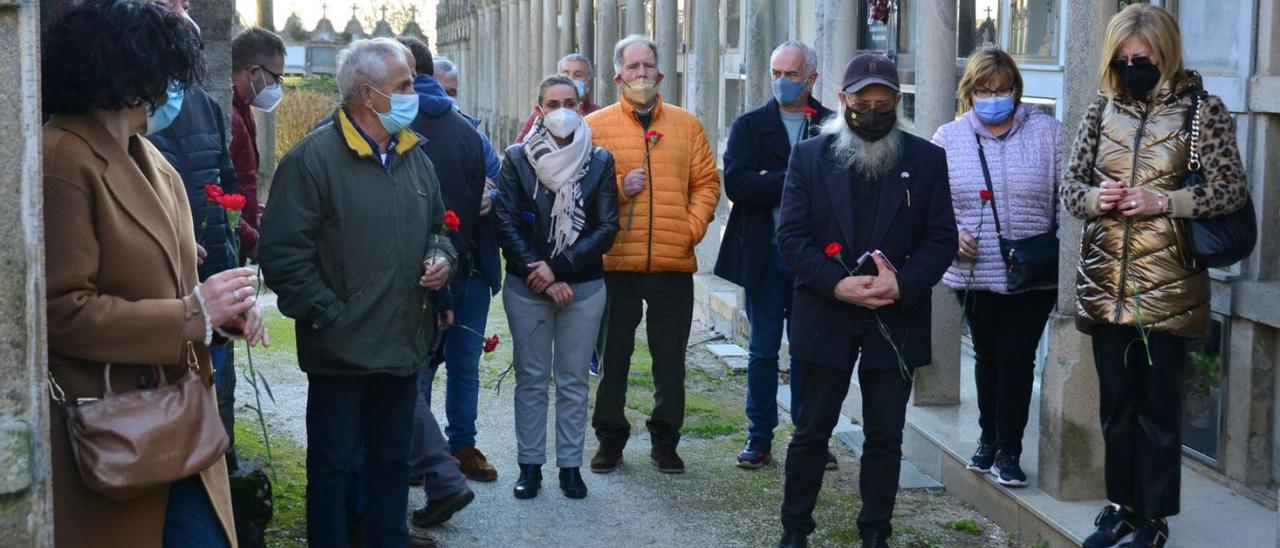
x: 1026, y: 167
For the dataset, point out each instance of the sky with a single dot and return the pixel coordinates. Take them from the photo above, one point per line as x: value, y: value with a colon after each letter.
x: 339, y: 11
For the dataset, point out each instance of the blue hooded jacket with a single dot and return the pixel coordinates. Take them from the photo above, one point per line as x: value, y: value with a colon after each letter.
x: 464, y: 157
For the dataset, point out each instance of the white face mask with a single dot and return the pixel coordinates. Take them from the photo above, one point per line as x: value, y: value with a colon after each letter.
x: 269, y: 98
x: 562, y: 122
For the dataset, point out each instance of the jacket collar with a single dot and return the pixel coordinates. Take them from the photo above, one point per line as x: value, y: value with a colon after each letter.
x: 361, y: 145
x: 894, y: 187
x: 772, y: 113
x: 629, y: 110
x: 126, y: 177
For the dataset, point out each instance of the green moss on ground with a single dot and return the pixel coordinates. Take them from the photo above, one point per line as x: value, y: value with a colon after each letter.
x: 288, y: 485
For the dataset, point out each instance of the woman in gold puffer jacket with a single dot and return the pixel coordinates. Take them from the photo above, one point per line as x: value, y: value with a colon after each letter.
x: 1138, y: 294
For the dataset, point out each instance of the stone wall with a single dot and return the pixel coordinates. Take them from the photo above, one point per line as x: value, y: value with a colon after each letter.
x: 26, y: 504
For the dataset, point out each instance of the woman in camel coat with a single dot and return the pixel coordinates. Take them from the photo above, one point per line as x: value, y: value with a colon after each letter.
x: 121, y: 259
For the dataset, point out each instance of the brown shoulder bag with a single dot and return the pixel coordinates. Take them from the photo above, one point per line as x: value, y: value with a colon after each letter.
x: 128, y: 444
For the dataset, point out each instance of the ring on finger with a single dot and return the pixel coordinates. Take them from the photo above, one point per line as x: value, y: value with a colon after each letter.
x: 1133, y: 203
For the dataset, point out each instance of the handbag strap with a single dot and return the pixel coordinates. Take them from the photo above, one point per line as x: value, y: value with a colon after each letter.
x: 1193, y: 120
x: 986, y: 175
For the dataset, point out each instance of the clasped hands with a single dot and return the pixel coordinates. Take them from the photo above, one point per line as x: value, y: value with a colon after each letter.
x: 870, y: 292
x: 542, y: 280
x: 1116, y: 196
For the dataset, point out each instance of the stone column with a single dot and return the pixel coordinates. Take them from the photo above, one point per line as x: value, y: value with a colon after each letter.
x: 586, y: 29
x: 566, y: 28
x: 512, y: 77
x: 762, y: 33
x: 1071, y: 465
x: 606, y: 37
x: 935, y: 44
x: 706, y: 92
x: 669, y: 42
x: 526, y: 70
x: 534, y: 67
x: 635, y: 17
x: 837, y: 44
x: 266, y: 14
x: 550, y: 36
x: 26, y: 517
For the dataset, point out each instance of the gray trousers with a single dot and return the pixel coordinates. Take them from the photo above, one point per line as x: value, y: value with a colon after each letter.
x: 429, y: 455
x: 548, y: 340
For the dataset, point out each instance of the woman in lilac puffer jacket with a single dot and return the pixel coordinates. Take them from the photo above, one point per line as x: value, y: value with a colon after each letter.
x: 1021, y: 146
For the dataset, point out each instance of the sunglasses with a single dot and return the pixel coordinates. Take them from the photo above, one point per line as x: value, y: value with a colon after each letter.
x: 1121, y: 63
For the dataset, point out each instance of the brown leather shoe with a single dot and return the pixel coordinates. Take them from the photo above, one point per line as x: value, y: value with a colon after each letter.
x: 606, y: 460
x: 667, y: 461
x: 474, y: 466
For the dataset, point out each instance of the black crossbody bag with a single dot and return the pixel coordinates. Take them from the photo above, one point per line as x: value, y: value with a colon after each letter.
x: 1030, y: 263
x: 1224, y: 240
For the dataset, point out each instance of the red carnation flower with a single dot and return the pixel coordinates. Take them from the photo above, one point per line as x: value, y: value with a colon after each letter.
x: 212, y: 192
x: 810, y: 112
x: 490, y: 344
x: 833, y: 250
x: 232, y: 202
x: 451, y: 221
x: 653, y: 136
x: 986, y: 195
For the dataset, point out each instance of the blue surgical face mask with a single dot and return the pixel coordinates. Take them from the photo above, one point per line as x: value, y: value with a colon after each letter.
x: 162, y: 116
x: 994, y: 110
x: 582, y: 88
x: 787, y: 91
x: 404, y: 108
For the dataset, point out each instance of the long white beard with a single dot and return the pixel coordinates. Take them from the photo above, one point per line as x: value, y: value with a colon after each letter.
x: 869, y: 160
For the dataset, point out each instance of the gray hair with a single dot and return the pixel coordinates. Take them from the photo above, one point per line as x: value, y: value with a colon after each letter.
x: 810, y: 56
x: 445, y: 67
x: 365, y: 62
x: 580, y: 58
x: 627, y: 42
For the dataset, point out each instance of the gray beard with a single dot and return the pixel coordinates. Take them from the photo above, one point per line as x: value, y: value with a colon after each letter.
x: 868, y: 160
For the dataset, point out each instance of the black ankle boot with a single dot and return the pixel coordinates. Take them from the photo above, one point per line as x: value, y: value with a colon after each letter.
x: 793, y: 538
x: 571, y: 483
x: 530, y: 481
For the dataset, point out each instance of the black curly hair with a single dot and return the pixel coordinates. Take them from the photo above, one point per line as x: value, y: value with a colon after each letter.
x: 116, y: 54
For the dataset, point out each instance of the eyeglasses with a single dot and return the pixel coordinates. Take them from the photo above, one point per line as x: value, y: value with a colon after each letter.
x: 1120, y: 63
x: 987, y: 93
x: 275, y: 77
x: 881, y: 107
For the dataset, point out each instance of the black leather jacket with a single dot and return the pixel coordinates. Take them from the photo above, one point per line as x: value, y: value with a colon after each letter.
x: 524, y: 218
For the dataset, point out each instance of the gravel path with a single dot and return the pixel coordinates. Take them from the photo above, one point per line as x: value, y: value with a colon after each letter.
x: 712, y: 504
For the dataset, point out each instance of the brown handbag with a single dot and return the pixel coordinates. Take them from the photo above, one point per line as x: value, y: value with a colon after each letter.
x: 128, y: 444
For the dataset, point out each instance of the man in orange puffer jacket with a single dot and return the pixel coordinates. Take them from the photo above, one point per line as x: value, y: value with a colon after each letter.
x: 668, y: 189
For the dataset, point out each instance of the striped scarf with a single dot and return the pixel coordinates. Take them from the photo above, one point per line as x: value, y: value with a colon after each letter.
x: 560, y: 170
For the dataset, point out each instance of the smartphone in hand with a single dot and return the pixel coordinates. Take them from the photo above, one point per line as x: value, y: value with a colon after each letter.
x: 867, y: 266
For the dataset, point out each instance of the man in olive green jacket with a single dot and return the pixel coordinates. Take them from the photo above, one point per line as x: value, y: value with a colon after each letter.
x: 352, y: 241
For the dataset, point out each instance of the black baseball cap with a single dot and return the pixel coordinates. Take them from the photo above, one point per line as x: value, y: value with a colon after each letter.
x: 868, y: 69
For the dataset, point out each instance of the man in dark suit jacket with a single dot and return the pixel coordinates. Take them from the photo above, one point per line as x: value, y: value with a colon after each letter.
x: 755, y: 164
x: 863, y: 187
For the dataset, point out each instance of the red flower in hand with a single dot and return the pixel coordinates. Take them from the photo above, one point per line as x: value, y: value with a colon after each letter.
x: 833, y: 250
x: 810, y: 112
x: 231, y: 202
x: 986, y: 195
x: 653, y: 136
x: 212, y: 192
x: 490, y: 344
x: 451, y: 221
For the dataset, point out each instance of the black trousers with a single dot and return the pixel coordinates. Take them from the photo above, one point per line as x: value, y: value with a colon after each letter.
x: 1006, y: 330
x: 819, y: 392
x: 669, y: 296
x: 1141, y: 411
x: 343, y: 413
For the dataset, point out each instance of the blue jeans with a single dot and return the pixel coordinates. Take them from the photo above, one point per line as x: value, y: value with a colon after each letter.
x: 189, y: 519
x: 768, y: 309
x: 343, y: 413
x: 462, y: 362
